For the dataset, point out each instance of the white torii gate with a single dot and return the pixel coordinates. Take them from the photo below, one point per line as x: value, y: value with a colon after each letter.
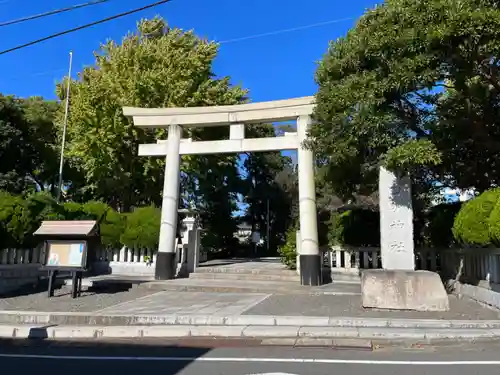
x: 395, y: 191
x: 235, y: 116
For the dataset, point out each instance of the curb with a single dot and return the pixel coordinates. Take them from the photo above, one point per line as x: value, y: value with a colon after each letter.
x: 285, y: 332
x: 103, y: 319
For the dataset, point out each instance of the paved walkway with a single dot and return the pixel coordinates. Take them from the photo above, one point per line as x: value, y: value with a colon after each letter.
x: 239, y: 297
x: 144, y: 302
x: 186, y: 303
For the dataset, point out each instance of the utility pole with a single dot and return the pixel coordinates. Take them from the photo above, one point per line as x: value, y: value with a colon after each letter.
x: 268, y: 227
x: 65, y: 126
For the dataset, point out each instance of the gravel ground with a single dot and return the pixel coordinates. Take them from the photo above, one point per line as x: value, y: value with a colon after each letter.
x: 350, y: 306
x: 62, y: 301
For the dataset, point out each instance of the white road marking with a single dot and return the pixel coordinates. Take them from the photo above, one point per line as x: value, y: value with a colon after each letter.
x: 251, y: 360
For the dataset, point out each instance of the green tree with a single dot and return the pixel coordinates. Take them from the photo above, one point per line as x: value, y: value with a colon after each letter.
x: 111, y: 223
x: 21, y: 216
x: 157, y: 66
x: 27, y: 144
x: 414, y: 85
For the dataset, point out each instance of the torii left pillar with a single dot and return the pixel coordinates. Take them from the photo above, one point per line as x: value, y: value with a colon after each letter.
x: 166, y: 257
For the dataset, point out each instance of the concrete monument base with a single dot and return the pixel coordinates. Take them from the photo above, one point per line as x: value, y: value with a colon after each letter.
x: 403, y: 290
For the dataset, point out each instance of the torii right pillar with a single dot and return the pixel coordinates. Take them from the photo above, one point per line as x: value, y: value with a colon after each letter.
x: 309, y: 256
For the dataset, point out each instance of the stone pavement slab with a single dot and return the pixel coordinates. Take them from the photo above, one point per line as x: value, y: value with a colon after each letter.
x: 144, y: 302
x: 350, y: 306
x: 189, y: 303
x: 89, y: 301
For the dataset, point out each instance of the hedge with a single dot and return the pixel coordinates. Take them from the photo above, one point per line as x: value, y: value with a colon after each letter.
x: 21, y: 216
x: 142, y: 228
x: 494, y: 224
x: 472, y: 223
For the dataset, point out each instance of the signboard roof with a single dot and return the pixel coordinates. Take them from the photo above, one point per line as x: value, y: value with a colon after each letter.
x: 68, y: 228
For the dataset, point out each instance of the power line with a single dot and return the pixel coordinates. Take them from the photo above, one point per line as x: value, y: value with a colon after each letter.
x: 282, y: 31
x: 83, y: 27
x: 51, y: 12
x: 271, y: 33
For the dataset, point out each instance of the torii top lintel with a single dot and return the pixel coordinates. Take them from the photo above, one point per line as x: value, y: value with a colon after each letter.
x: 276, y: 110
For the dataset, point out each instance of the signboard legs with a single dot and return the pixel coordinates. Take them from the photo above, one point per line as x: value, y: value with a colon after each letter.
x: 52, y: 279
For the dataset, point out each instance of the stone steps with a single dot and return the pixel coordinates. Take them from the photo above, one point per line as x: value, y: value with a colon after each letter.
x: 343, y: 276
x: 245, y: 276
x: 245, y: 270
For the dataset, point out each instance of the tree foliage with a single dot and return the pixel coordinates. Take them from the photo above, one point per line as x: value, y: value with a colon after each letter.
x: 414, y: 85
x: 27, y: 144
x: 156, y: 66
x: 111, y: 223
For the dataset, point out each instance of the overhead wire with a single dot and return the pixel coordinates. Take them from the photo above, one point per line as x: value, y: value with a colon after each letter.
x: 51, y: 12
x: 254, y: 36
x: 282, y: 31
x: 69, y: 31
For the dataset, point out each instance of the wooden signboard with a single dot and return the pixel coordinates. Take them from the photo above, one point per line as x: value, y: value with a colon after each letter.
x: 66, y: 254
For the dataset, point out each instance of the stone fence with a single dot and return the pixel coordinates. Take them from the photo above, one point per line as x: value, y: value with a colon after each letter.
x: 477, y: 264
x: 471, y: 272
x: 19, y: 267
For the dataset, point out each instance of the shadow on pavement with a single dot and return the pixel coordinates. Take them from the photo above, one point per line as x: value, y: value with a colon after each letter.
x: 97, y: 357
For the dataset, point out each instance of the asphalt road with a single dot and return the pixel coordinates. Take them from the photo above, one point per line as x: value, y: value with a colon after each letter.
x: 159, y: 357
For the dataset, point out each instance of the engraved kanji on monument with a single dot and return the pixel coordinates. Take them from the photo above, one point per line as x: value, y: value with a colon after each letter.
x: 396, y: 221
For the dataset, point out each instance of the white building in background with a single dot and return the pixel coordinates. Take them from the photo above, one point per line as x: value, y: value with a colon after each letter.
x: 461, y: 195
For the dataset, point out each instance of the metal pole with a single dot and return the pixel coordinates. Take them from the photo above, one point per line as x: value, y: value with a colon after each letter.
x: 268, y: 231
x: 65, y: 126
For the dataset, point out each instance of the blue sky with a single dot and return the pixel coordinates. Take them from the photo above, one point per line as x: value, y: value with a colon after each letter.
x: 271, y: 67
x: 276, y: 66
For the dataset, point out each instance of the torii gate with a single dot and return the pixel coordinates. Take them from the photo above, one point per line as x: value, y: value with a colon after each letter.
x: 235, y: 116
x: 396, y: 213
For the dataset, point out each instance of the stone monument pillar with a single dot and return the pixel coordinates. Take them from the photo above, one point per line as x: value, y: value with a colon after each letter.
x: 396, y: 221
x: 398, y: 286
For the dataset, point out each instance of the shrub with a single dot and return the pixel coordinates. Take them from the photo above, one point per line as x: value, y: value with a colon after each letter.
x: 356, y: 227
x: 41, y: 206
x: 142, y: 228
x: 111, y: 223
x: 494, y: 224
x: 288, y: 251
x: 471, y: 225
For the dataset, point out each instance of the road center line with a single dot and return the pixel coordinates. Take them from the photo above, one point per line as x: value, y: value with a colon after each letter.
x: 251, y: 360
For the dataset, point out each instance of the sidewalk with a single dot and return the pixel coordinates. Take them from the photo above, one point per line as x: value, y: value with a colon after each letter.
x: 142, y: 312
